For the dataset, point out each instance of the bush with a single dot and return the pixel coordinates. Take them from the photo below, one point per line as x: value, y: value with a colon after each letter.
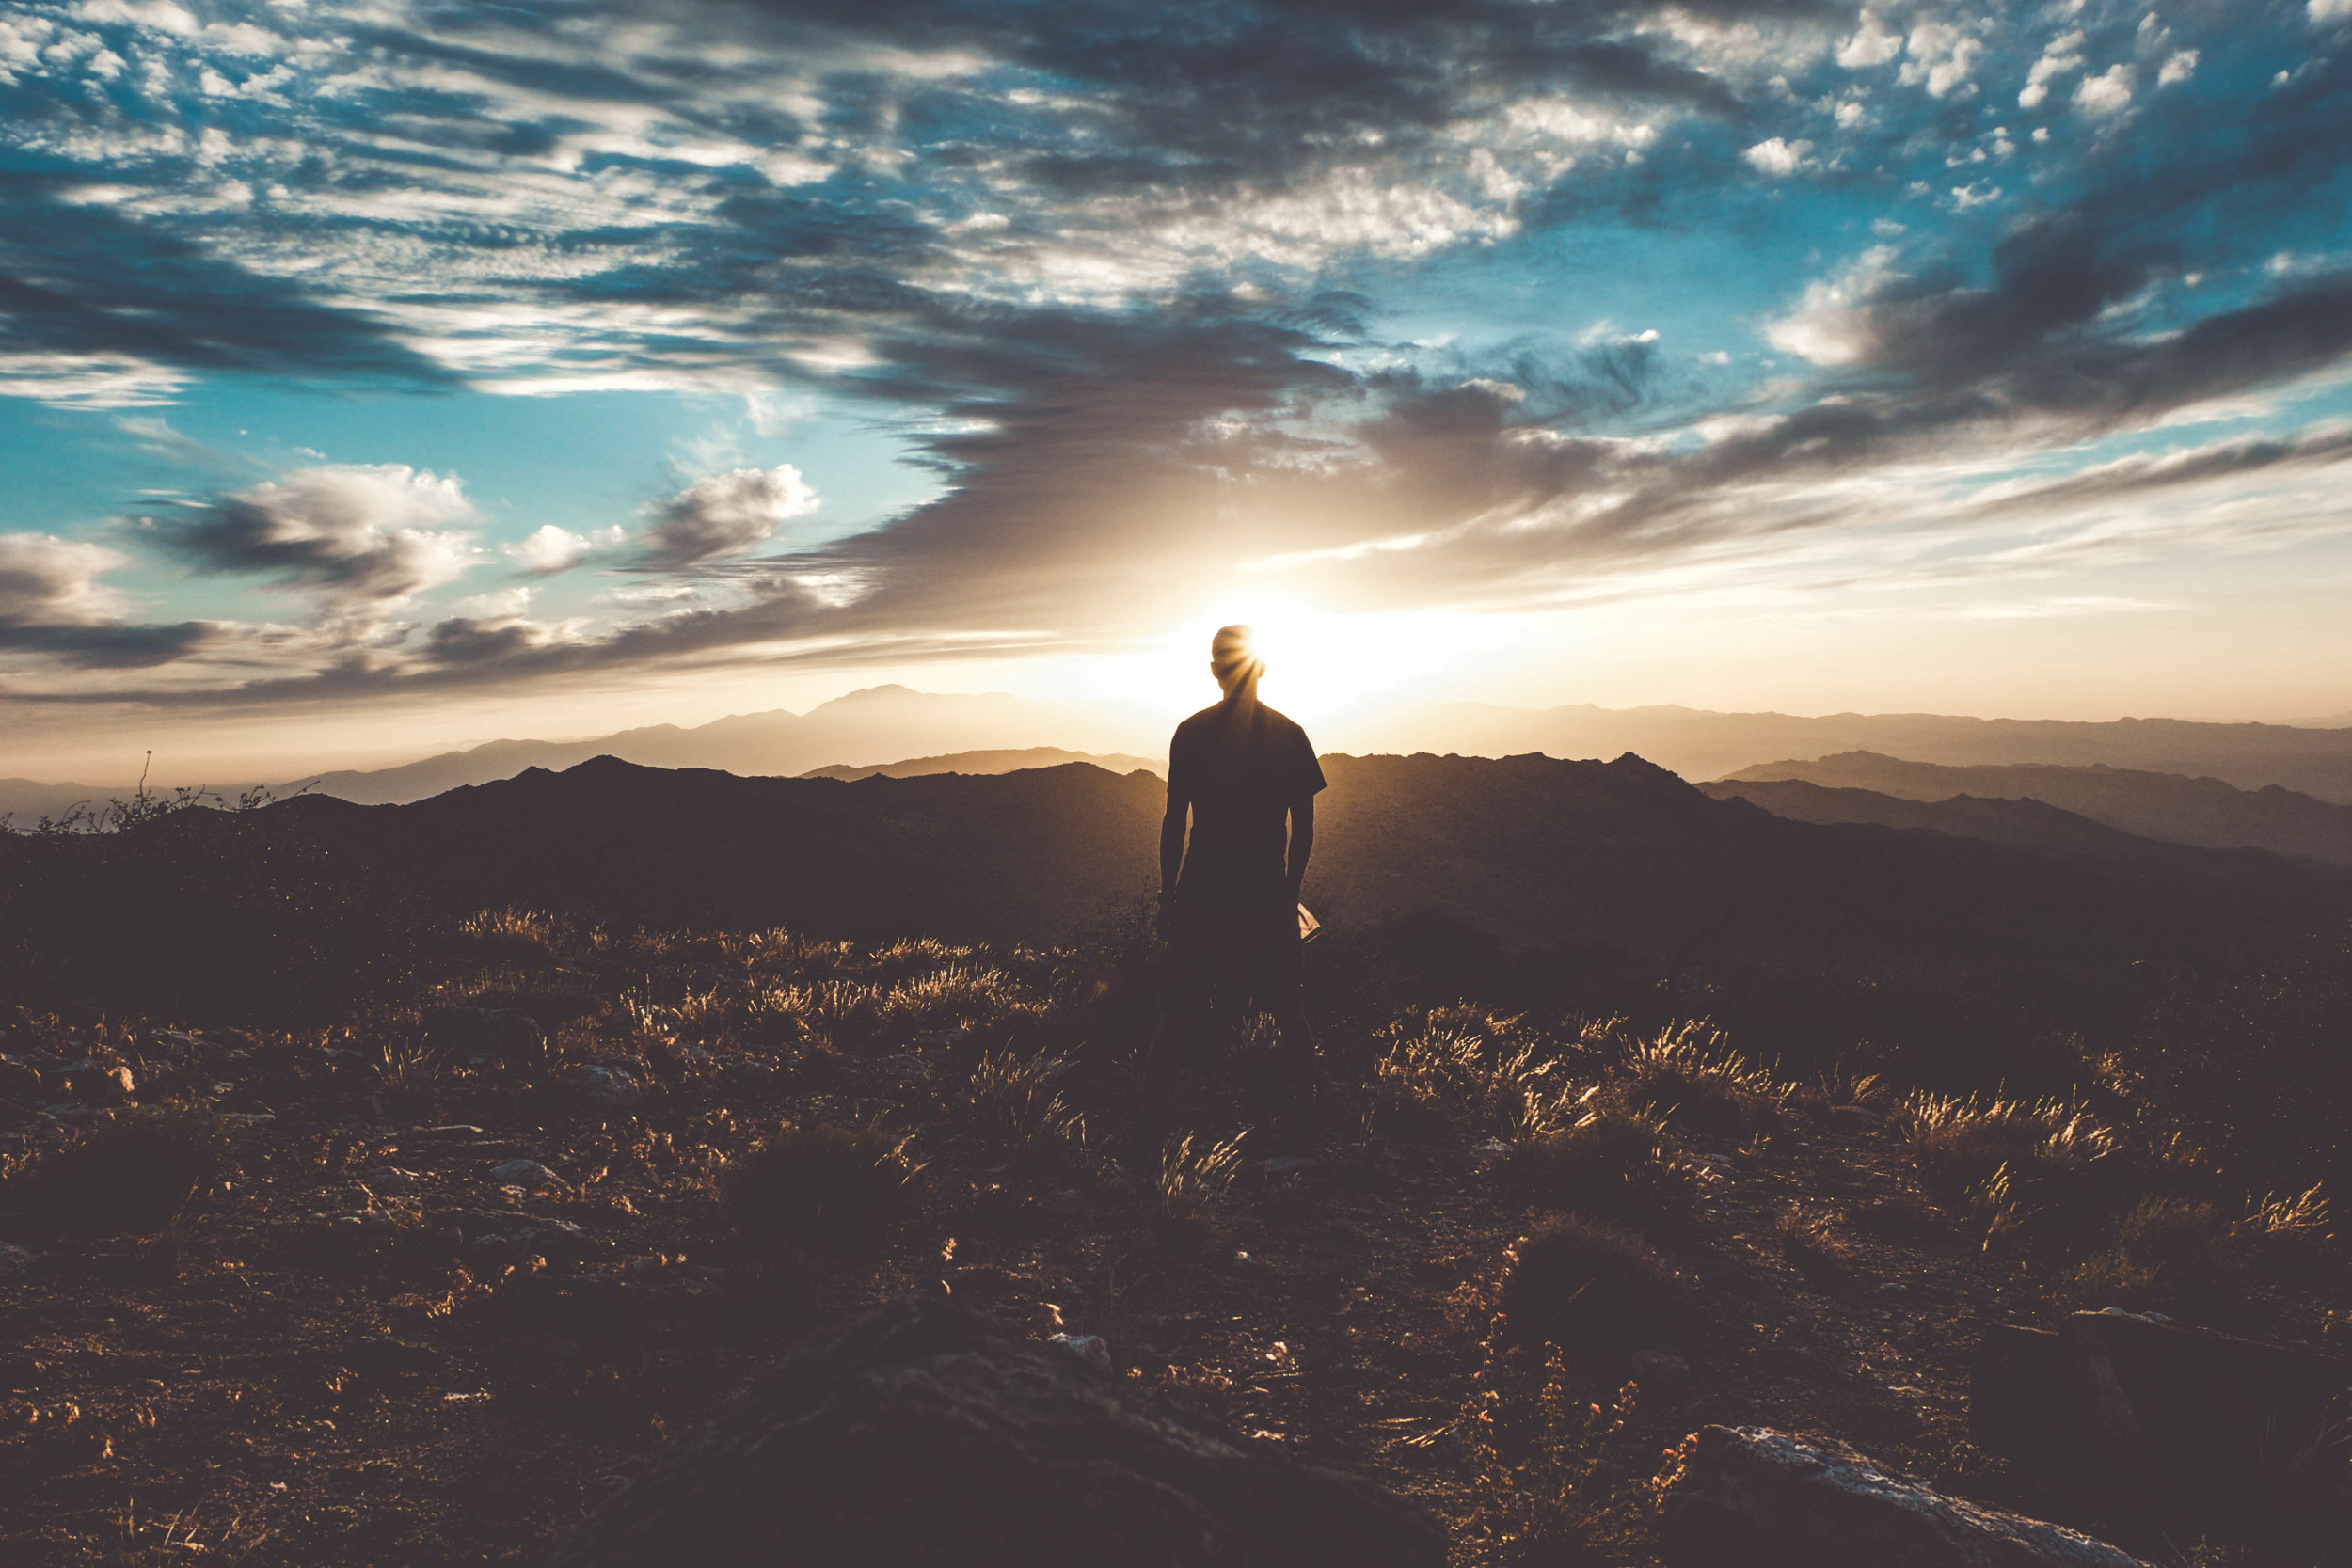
x: 1689, y: 1077
x: 1468, y: 1070
x: 2162, y: 1252
x: 837, y: 1188
x: 2017, y: 1165
x: 1612, y: 1163
x: 1594, y: 1290
x: 1015, y: 1097
x: 1193, y: 1186
x: 135, y: 1173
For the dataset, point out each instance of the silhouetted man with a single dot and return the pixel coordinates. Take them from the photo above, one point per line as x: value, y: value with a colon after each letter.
x: 1246, y: 778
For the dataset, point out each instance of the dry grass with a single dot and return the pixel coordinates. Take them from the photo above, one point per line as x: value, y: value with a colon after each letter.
x: 1813, y: 1241
x: 1688, y: 1075
x: 1611, y: 1162
x: 2019, y: 1165
x: 2162, y: 1252
x: 1478, y: 1072
x: 1016, y: 1096
x: 1194, y: 1186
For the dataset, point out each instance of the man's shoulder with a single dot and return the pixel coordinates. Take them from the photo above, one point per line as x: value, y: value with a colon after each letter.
x: 1283, y: 724
x: 1198, y: 723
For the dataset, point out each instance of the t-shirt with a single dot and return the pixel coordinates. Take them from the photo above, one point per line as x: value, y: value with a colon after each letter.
x: 1241, y: 768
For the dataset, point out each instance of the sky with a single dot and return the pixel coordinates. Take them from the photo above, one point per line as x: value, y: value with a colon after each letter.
x: 377, y: 376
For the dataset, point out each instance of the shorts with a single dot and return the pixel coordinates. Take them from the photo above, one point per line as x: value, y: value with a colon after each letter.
x: 1231, y: 958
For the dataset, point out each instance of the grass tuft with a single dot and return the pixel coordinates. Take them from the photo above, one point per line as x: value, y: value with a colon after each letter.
x: 1611, y: 1163
x: 1193, y: 1187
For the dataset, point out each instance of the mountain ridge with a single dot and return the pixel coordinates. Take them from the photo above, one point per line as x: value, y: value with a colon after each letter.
x: 1535, y: 851
x: 2208, y: 813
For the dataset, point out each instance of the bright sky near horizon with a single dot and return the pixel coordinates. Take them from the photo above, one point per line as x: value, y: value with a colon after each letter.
x: 377, y: 376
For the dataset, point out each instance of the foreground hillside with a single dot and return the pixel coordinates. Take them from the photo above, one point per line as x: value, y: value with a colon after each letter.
x: 427, y: 1285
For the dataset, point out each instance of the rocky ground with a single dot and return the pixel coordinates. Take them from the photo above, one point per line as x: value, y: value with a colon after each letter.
x: 457, y: 1287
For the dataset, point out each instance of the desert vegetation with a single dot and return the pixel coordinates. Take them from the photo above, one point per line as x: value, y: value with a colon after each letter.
x: 475, y: 1209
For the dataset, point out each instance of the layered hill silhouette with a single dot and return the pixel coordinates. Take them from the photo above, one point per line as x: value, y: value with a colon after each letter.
x: 986, y: 762
x: 2206, y: 812
x: 1541, y: 853
x: 861, y: 731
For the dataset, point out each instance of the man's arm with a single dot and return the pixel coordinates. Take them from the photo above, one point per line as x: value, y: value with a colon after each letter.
x: 1302, y: 841
x: 1173, y: 845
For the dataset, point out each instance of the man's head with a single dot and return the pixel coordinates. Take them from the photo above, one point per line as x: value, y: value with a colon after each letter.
x: 1233, y: 658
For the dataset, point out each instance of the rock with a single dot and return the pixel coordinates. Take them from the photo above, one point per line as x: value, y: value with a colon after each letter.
x: 19, y: 1077
x: 923, y: 1433
x: 1749, y: 1495
x: 610, y: 1086
x: 528, y: 1174
x: 1093, y: 1349
x: 477, y: 1035
x: 1282, y: 1163
x: 391, y: 1178
x: 2116, y: 1393
x: 13, y: 1258
x: 96, y: 1085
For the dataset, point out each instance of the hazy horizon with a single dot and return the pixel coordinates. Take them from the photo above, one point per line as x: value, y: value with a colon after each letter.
x: 1096, y: 728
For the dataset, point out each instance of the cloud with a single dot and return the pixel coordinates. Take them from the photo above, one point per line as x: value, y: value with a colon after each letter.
x: 548, y: 549
x: 1120, y: 275
x: 362, y: 537
x: 2061, y: 54
x: 53, y: 603
x: 725, y: 515
x: 1776, y: 156
x: 1871, y: 44
x: 2108, y: 93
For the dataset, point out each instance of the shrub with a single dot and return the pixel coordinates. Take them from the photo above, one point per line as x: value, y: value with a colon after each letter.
x: 1612, y: 1163
x: 2015, y: 1164
x: 1486, y: 1073
x: 1812, y: 1242
x: 1015, y: 1097
x: 838, y: 1188
x: 2164, y: 1252
x: 135, y: 1173
x: 1591, y: 1290
x: 1688, y: 1076
x: 1555, y: 1478
x: 1193, y: 1186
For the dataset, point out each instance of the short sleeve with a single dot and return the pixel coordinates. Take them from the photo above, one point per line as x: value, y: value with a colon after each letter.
x: 1180, y: 768
x: 1305, y: 772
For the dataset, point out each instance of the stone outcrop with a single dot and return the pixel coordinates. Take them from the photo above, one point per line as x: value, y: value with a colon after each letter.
x: 1751, y: 1498
x: 923, y: 1433
x: 2126, y: 1397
